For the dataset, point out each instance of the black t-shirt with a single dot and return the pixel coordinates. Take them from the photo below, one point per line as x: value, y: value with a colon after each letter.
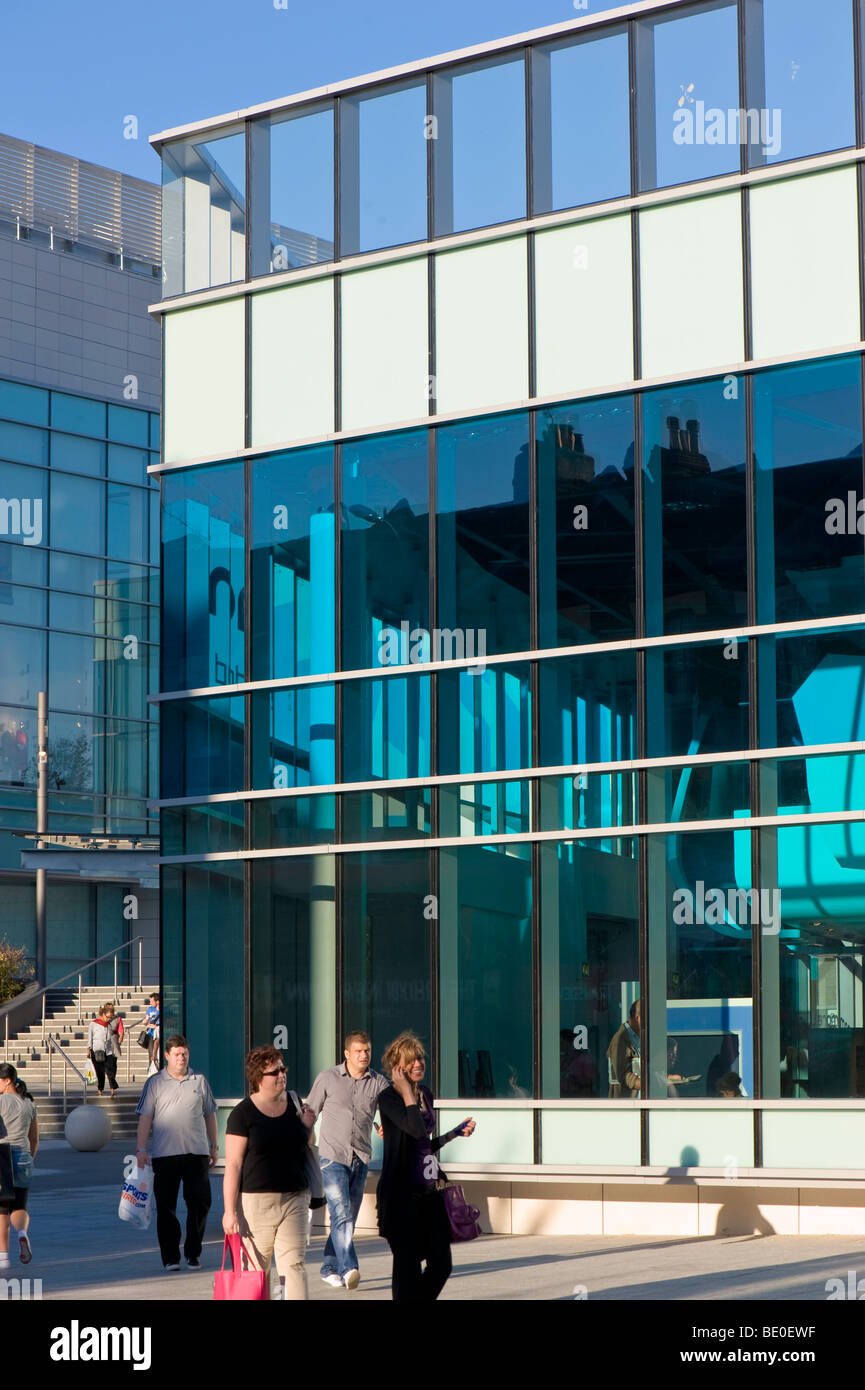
x: 275, y: 1148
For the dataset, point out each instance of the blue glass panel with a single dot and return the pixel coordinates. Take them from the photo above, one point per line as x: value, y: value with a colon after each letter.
x: 486, y: 182
x: 21, y: 444
x: 386, y: 962
x: 697, y: 699
x: 77, y: 454
x: 300, y: 191
x: 128, y: 426
x: 485, y: 953
x: 484, y: 719
x: 694, y: 507
x: 22, y: 670
x: 202, y: 746
x: 385, y: 550
x: 24, y: 510
x: 808, y: 447
x: 23, y: 564
x: 589, y: 160
x: 589, y: 916
x: 702, y: 917
x: 21, y: 605
x: 806, y: 85
x: 78, y: 415
x: 293, y: 559
x: 29, y: 404
x: 128, y: 465
x: 483, y: 536
x: 203, y: 565
x: 391, y: 169
x: 586, y: 527
x: 18, y: 748
x: 127, y: 522
x: 77, y: 574
x: 77, y: 676
x: 688, y: 81
x: 294, y: 740
x: 154, y: 433
x: 77, y: 514
x: 811, y: 691
x: 386, y: 728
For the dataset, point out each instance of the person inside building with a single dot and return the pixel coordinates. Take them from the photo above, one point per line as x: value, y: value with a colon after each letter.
x: 623, y: 1055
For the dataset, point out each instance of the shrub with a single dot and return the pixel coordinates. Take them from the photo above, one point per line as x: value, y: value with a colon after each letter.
x: 15, y: 970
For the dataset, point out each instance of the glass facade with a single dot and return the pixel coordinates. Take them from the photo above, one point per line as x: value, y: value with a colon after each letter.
x: 79, y: 613
x: 551, y: 705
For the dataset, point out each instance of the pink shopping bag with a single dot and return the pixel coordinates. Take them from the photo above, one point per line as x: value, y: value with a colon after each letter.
x: 237, y: 1284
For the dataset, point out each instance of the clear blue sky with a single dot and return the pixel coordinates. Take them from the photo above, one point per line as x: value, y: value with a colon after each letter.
x: 71, y: 70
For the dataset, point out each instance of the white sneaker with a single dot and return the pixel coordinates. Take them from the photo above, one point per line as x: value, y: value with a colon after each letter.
x: 332, y: 1279
x: 4, y: 1261
x: 352, y: 1279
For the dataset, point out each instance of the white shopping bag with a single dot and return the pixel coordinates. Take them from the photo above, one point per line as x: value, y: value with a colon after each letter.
x: 136, y: 1198
x: 90, y: 1072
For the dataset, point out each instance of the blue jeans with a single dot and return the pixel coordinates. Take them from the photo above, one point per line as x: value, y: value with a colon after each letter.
x: 343, y: 1189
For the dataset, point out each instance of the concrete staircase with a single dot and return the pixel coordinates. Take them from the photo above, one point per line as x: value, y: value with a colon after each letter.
x: 29, y: 1055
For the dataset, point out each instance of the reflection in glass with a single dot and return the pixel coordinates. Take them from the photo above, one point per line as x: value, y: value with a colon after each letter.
x: 812, y: 691
x: 577, y: 158
x: 801, y: 73
x: 293, y: 563
x: 385, y: 551
x: 808, y: 447
x: 697, y: 699
x: 202, y: 746
x: 292, y: 191
x: 704, y: 910
x: 203, y: 212
x: 687, y: 82
x: 386, y: 728
x: 694, y: 507
x: 480, y: 145
x: 22, y: 670
x: 586, y: 566
x: 203, y: 569
x: 293, y: 960
x: 483, y: 534
x: 293, y: 740
x: 590, y: 962
x: 485, y: 971
x: 386, y: 951
x: 77, y: 514
x: 383, y: 166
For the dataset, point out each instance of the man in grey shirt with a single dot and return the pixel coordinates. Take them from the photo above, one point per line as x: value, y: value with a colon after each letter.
x: 347, y: 1099
x: 177, y: 1109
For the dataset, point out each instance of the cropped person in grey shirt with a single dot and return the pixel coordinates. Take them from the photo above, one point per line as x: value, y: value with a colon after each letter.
x: 347, y: 1099
x: 19, y: 1132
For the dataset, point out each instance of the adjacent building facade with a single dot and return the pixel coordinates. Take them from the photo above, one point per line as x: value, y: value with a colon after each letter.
x: 514, y: 603
x: 79, y: 554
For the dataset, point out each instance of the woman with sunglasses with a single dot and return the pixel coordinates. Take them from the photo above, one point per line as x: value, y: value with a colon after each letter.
x: 265, y: 1190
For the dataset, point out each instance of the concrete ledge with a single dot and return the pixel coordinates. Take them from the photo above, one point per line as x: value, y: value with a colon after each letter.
x: 653, y: 1206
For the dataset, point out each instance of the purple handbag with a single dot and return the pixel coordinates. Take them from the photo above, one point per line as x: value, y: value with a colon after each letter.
x: 463, y: 1218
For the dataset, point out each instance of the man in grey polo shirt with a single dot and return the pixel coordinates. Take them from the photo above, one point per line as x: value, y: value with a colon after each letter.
x: 177, y: 1109
x: 347, y: 1099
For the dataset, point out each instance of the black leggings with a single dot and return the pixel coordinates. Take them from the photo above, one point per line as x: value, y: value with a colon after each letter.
x: 424, y: 1236
x: 107, y: 1068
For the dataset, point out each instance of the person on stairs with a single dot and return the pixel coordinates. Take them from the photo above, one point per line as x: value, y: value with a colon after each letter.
x: 103, y: 1047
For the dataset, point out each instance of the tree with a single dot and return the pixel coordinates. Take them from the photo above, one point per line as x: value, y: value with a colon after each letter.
x: 15, y: 970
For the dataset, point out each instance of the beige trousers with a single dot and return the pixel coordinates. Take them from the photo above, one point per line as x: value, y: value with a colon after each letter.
x: 277, y: 1224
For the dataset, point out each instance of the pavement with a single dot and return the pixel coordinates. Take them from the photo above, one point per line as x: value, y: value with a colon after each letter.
x: 82, y: 1251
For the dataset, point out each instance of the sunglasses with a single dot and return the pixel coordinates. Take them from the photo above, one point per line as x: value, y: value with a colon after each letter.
x: 278, y: 1071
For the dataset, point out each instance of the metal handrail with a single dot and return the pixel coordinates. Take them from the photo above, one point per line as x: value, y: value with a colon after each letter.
x: 80, y: 973
x: 54, y: 1046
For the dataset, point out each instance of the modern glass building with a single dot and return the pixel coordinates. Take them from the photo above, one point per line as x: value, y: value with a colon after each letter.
x: 514, y: 602
x: 79, y: 554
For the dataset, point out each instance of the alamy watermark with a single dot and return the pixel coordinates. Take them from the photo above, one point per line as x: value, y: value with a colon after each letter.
x: 696, y: 124
x: 712, y: 907
x: 407, y: 645
x: 22, y: 516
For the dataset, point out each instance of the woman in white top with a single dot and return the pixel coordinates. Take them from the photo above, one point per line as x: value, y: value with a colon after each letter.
x: 103, y: 1047
x: 19, y: 1132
